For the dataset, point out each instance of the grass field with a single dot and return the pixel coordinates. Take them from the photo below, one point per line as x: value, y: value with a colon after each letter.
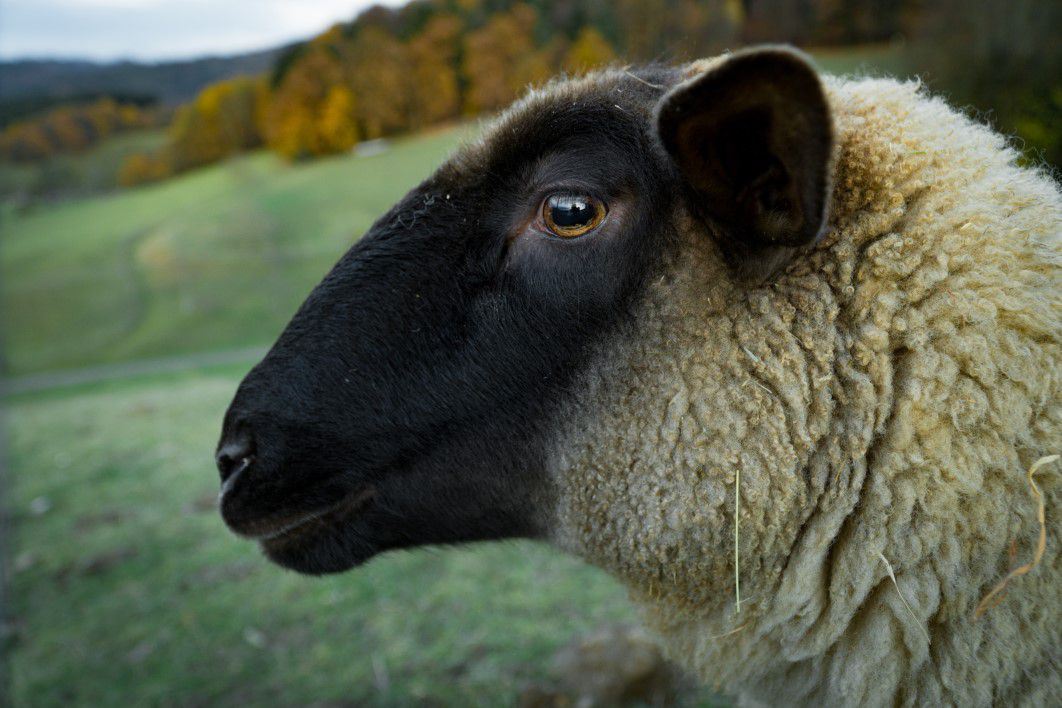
x: 128, y: 590
x: 218, y: 259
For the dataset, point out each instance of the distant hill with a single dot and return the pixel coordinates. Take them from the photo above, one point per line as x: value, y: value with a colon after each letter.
x: 41, y: 82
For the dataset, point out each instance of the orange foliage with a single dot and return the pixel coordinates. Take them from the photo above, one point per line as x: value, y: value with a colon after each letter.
x: 70, y: 128
x: 294, y: 119
x: 337, y: 127
x: 390, y: 72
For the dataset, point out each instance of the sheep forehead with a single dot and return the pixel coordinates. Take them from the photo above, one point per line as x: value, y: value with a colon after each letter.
x: 631, y: 93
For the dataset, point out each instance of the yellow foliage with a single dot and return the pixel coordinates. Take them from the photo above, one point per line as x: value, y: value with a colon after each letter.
x: 140, y: 168
x: 72, y: 131
x: 222, y: 120
x: 337, y: 127
x: 361, y: 81
x: 500, y: 60
x: 434, y: 92
x: 380, y: 79
x: 589, y: 51
x: 313, y: 100
x: 69, y: 128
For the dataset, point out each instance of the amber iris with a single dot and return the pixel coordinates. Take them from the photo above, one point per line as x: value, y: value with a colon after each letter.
x: 572, y: 215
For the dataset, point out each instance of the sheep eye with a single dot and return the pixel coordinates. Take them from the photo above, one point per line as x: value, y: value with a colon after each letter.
x: 572, y: 215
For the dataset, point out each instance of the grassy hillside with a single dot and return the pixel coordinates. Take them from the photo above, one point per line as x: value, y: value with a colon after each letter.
x: 218, y: 259
x: 127, y: 589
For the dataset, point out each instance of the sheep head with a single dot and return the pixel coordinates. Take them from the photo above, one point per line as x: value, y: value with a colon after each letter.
x: 557, y: 336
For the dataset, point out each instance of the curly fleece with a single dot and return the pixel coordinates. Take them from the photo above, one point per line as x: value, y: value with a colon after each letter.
x: 884, y: 396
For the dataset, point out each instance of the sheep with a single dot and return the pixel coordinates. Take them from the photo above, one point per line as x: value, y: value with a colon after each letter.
x: 777, y: 350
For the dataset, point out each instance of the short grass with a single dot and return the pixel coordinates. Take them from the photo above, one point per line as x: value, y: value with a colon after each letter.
x: 128, y: 590
x: 217, y: 259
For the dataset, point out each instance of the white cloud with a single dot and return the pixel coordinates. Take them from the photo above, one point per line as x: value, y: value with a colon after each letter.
x: 162, y: 29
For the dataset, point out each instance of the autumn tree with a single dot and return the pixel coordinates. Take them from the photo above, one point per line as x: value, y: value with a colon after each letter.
x: 380, y: 78
x: 70, y: 128
x: 642, y: 26
x: 434, y: 91
x: 399, y: 69
x: 500, y: 59
x: 336, y: 128
x: 221, y: 121
x: 293, y: 118
x: 26, y: 142
x: 589, y: 50
x: 700, y: 28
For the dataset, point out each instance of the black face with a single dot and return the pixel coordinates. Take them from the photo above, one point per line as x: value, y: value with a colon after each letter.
x: 409, y: 400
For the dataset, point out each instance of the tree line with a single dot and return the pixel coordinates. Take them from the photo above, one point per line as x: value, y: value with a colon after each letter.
x: 72, y: 128
x: 391, y: 71
x: 388, y: 72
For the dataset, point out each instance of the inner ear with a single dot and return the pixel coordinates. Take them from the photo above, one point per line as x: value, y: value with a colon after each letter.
x: 753, y: 139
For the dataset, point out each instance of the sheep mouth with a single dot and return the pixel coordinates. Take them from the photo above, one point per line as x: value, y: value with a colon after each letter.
x: 300, y: 529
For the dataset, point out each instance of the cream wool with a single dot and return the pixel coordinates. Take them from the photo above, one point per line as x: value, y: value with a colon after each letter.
x: 885, y: 394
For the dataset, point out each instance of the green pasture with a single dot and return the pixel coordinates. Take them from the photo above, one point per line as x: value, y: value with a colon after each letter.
x: 128, y: 590
x: 217, y: 259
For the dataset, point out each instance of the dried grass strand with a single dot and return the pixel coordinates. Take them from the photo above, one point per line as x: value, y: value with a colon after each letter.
x: 995, y: 595
x: 737, y: 539
x: 626, y: 70
x: 892, y: 576
x: 732, y: 632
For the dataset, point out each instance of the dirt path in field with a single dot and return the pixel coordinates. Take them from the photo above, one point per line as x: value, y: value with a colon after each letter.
x: 112, y: 372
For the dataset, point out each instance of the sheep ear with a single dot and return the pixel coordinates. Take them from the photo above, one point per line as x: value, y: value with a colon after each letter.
x: 753, y: 139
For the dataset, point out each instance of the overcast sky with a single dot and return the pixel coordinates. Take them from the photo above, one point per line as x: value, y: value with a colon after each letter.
x: 161, y: 29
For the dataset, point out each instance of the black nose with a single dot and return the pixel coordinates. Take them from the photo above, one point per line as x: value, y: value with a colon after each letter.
x: 234, y: 455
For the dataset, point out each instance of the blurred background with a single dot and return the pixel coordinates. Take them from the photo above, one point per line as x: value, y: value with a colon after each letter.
x: 175, y: 175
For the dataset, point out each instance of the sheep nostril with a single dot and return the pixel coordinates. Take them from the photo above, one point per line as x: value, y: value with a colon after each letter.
x: 229, y: 466
x: 233, y: 458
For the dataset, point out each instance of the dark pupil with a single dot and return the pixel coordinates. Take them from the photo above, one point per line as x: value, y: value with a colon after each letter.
x: 571, y: 212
